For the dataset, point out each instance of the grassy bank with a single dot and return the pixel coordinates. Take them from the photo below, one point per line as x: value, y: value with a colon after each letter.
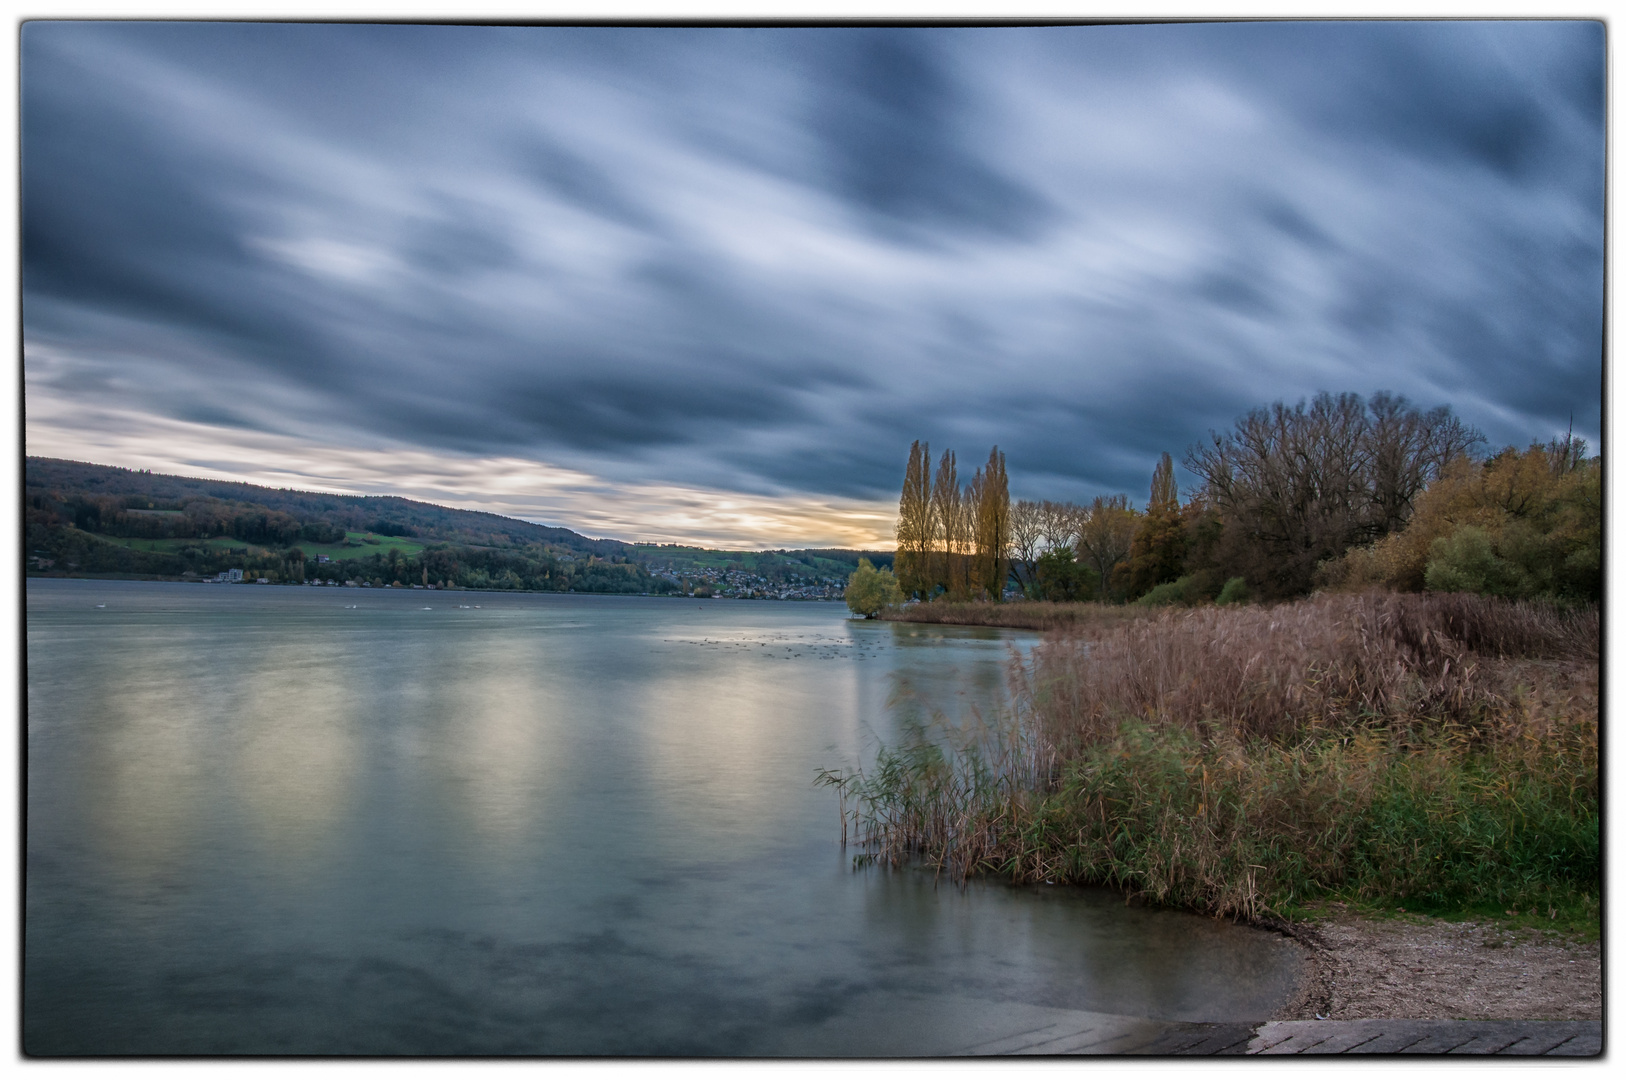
x: 1020, y: 614
x: 1434, y: 751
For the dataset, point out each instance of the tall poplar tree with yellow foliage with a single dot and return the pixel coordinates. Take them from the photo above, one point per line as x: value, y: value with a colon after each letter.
x: 1158, y: 552
x: 948, y: 527
x: 991, y: 550
x: 916, y: 524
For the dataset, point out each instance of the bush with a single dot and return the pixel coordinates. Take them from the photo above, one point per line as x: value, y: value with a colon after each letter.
x: 869, y: 590
x: 1169, y: 593
x: 1466, y: 561
x: 1060, y: 578
x: 1520, y: 524
x: 1236, y: 591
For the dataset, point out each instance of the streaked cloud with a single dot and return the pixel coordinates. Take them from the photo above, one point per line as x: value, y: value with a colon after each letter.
x: 515, y: 487
x: 721, y: 278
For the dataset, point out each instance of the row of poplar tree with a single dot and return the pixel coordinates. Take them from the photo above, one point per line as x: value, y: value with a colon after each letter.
x: 953, y: 540
x: 973, y: 542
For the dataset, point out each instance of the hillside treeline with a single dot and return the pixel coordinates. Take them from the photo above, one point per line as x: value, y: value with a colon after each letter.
x: 195, y: 530
x: 71, y: 550
x: 200, y: 518
x: 1338, y: 492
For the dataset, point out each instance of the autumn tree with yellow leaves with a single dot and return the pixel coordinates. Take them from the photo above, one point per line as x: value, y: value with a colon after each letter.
x: 953, y: 540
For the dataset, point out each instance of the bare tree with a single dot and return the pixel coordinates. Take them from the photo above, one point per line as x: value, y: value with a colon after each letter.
x: 1303, y: 484
x: 1105, y: 533
x: 1027, y: 538
x: 1567, y: 454
x: 1059, y: 523
x: 1408, y: 449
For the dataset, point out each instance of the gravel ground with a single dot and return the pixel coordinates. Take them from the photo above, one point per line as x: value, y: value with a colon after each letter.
x: 1426, y: 969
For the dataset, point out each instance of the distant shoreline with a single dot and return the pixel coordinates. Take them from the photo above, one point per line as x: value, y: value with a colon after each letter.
x: 50, y: 576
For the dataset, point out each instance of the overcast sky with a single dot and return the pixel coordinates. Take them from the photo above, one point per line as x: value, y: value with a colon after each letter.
x: 696, y: 284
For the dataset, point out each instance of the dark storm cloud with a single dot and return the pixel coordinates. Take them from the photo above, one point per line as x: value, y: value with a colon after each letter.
x: 1425, y: 92
x: 458, y: 242
x: 1489, y: 96
x: 1295, y: 223
x: 888, y: 116
x: 766, y: 260
x: 121, y: 215
x: 849, y: 472
x: 586, y: 185
x: 607, y: 414
x: 1237, y: 288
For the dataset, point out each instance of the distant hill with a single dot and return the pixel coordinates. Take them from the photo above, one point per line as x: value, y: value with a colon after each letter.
x: 82, y: 519
x: 387, y: 515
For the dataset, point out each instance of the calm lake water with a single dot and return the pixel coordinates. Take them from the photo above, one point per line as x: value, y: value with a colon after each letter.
x: 277, y: 820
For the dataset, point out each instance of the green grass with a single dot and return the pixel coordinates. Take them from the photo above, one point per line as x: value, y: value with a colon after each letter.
x: 220, y: 544
x: 698, y: 558
x: 1579, y: 918
x: 360, y: 544
x: 1255, y: 828
x: 367, y: 544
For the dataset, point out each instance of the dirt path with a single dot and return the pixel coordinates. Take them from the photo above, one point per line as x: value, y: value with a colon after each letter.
x: 1425, y: 969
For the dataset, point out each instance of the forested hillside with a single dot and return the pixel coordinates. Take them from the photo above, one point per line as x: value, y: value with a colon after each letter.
x: 95, y: 519
x: 101, y: 497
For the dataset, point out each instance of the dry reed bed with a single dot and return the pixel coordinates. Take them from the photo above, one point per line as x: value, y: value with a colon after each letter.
x: 1243, y: 760
x: 1329, y: 660
x: 1078, y: 618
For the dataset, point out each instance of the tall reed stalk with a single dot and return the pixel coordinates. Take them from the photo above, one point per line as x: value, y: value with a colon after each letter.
x: 1080, y: 617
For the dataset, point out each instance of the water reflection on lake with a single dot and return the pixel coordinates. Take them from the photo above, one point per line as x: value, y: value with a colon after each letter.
x: 261, y: 821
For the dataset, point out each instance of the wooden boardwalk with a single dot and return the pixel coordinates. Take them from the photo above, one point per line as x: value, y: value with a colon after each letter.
x: 1559, y: 1038
x: 876, y: 1025
x: 1102, y: 1034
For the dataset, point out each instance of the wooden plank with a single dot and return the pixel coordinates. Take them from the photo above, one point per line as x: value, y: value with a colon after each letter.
x: 1348, y: 1041
x: 1201, y: 1039
x: 1441, y: 1040
x: 1011, y: 1044
x: 1491, y: 1042
x: 1099, y: 1039
x: 1121, y: 1035
x: 1585, y: 1043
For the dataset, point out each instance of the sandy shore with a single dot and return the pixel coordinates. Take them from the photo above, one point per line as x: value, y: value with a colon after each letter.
x: 1426, y: 969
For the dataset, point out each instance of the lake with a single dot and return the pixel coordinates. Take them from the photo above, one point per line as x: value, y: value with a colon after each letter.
x: 284, y: 820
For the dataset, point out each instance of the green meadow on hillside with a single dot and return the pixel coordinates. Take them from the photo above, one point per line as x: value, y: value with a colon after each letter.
x: 356, y: 544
